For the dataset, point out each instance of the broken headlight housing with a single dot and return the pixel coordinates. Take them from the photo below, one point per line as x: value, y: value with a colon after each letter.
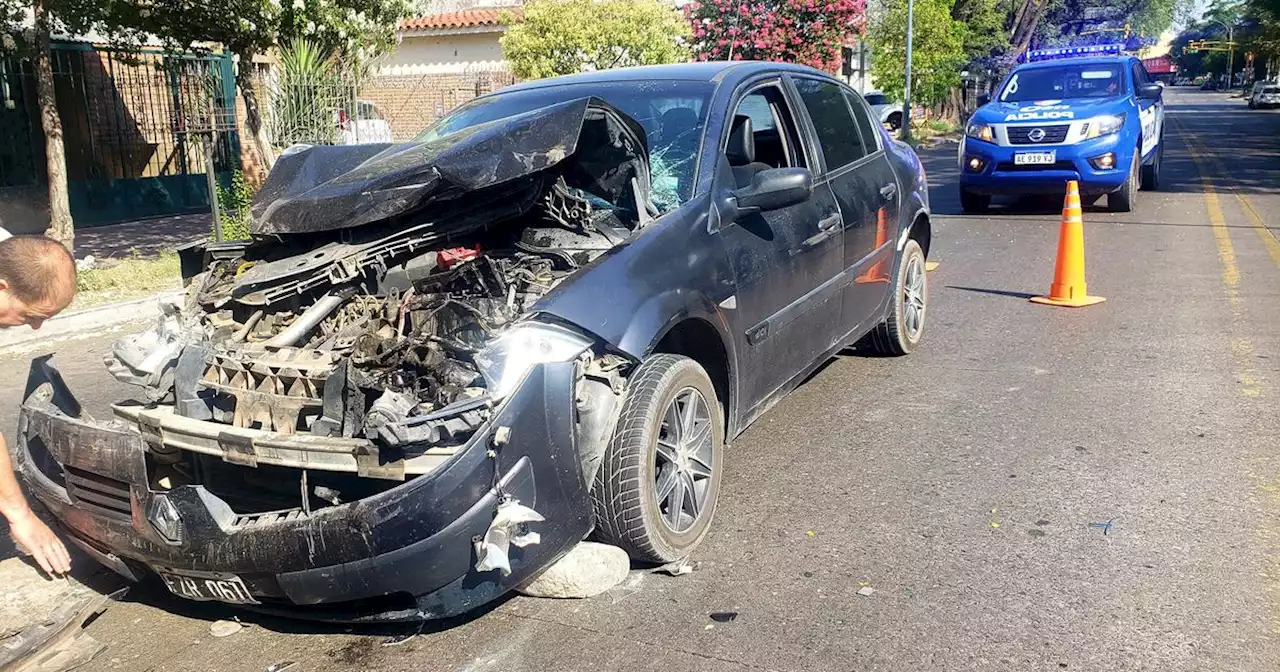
x: 509, y: 358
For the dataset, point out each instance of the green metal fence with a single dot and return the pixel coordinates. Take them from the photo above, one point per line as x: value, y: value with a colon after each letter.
x: 131, y: 123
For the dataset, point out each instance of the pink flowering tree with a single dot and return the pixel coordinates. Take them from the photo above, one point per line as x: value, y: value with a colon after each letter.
x: 810, y: 32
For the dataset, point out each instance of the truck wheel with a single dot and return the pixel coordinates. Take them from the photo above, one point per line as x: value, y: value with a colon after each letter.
x: 656, y: 490
x: 901, y: 330
x: 973, y: 204
x: 1124, y: 199
x: 1151, y: 173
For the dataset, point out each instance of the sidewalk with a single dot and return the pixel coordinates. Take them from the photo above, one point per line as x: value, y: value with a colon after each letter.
x: 149, y: 237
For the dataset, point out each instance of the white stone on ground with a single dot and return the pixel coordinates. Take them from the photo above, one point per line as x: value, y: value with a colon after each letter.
x: 585, y: 571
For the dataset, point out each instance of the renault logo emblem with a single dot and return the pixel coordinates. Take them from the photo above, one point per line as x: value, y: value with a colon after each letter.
x: 1036, y: 135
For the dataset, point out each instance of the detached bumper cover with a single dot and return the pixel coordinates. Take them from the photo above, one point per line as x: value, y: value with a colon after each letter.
x: 999, y: 175
x: 405, y: 554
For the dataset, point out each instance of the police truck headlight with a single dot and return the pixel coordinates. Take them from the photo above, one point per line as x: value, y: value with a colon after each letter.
x: 1100, y: 126
x: 981, y: 132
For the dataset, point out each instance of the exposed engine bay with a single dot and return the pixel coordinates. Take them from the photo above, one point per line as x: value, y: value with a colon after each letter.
x: 384, y: 332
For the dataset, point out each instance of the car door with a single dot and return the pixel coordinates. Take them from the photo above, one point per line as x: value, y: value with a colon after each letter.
x: 858, y: 172
x: 1149, y: 112
x: 786, y: 263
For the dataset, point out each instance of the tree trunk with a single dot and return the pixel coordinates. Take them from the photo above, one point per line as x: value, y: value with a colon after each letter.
x: 61, y: 227
x: 1025, y: 28
x: 252, y: 113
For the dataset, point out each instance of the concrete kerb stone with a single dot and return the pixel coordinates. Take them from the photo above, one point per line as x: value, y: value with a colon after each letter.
x: 84, y: 321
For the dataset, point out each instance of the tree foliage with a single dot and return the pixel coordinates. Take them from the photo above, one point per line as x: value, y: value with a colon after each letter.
x: 796, y: 31
x: 561, y: 37
x: 937, y: 50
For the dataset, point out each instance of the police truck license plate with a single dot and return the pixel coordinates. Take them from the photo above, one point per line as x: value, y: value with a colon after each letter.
x: 207, y: 587
x: 1034, y: 158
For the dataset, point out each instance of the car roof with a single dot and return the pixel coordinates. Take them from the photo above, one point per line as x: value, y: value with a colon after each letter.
x: 707, y: 71
x: 1084, y: 60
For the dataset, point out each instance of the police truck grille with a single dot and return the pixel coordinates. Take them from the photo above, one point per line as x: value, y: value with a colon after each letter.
x: 1021, y: 135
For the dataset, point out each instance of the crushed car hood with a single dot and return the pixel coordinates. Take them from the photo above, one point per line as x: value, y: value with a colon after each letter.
x: 328, y: 188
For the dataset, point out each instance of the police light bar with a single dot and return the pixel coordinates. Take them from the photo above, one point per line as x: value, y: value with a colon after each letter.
x: 1073, y: 52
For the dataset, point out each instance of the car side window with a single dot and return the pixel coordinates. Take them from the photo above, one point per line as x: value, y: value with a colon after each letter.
x: 833, y: 122
x: 867, y: 122
x: 876, y: 99
x: 1139, y: 75
x: 773, y: 128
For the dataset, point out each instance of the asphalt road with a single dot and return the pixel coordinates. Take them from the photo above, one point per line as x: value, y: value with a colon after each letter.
x: 960, y: 483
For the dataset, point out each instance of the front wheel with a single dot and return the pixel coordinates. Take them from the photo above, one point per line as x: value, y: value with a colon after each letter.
x: 902, y: 329
x: 973, y: 204
x: 656, y: 490
x: 1151, y: 173
x: 1124, y: 199
x: 895, y: 121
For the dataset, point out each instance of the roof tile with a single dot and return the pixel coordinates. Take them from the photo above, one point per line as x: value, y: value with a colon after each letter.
x: 467, y: 18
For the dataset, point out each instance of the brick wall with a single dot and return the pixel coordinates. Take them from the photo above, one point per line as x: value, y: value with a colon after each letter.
x: 411, y: 102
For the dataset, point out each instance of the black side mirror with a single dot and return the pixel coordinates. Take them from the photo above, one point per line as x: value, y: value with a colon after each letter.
x: 1150, y: 91
x: 983, y: 99
x: 774, y: 189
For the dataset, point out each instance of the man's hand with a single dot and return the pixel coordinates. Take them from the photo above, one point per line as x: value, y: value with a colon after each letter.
x: 33, y: 536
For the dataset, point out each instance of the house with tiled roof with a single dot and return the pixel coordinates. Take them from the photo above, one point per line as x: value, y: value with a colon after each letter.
x: 456, y: 36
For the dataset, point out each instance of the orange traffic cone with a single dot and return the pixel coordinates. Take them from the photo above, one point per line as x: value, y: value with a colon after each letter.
x: 879, y: 271
x: 1068, y: 287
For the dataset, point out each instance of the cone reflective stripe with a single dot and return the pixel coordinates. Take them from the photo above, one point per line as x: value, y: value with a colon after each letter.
x: 1069, y: 288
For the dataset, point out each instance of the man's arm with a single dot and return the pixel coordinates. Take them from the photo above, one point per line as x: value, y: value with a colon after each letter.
x: 28, y: 530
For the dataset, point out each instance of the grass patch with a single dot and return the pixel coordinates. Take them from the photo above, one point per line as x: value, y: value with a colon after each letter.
x: 123, y: 279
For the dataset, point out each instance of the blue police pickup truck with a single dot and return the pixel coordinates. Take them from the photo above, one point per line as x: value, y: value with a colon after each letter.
x: 1078, y: 113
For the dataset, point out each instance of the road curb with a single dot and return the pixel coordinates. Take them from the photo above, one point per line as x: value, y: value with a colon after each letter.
x: 87, y: 320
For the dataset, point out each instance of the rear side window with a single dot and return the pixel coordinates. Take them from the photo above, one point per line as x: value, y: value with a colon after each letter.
x: 866, y: 123
x: 833, y: 122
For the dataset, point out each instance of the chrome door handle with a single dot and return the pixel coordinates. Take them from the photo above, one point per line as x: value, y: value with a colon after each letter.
x: 831, y: 222
x: 888, y: 191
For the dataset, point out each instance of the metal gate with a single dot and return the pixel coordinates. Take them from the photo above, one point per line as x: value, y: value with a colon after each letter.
x: 127, y: 121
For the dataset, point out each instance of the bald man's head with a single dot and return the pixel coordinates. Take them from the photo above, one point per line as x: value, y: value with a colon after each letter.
x: 37, y: 280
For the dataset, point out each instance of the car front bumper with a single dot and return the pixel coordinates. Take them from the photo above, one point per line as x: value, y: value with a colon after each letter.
x: 406, y: 553
x: 1000, y: 176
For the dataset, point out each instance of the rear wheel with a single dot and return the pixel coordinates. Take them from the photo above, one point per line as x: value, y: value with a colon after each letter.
x: 902, y: 329
x: 1124, y: 199
x: 973, y: 204
x: 656, y: 490
x: 895, y: 121
x: 1151, y: 173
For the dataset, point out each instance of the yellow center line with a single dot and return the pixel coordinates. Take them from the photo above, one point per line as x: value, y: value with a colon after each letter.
x: 1251, y: 385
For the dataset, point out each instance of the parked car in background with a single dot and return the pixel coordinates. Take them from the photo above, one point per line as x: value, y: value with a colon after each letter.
x: 367, y: 127
x: 887, y: 111
x: 439, y: 365
x: 1265, y: 95
x: 1210, y: 85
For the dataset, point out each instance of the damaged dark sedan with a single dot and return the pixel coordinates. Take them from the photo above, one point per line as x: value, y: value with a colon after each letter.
x: 439, y: 365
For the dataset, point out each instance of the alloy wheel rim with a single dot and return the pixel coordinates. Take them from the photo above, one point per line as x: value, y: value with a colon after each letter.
x: 683, y: 461
x: 913, y: 298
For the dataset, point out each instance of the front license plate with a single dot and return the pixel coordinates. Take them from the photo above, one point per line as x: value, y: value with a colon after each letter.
x: 207, y: 587
x: 1035, y: 159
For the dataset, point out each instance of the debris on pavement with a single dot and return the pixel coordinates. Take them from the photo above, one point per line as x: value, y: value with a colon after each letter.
x: 1036, y: 533
x: 679, y: 567
x: 1105, y: 527
x: 587, y: 570
x: 224, y: 628
x: 397, y: 640
x: 724, y: 616
x: 59, y: 642
x: 866, y: 591
x: 282, y: 666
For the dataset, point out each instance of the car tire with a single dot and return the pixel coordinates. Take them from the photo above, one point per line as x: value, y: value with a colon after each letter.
x: 895, y: 121
x: 630, y: 510
x: 1151, y: 173
x: 903, y: 328
x: 973, y: 204
x: 1124, y: 199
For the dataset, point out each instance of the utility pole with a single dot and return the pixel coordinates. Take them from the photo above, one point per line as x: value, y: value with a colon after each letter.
x: 906, y: 91
x: 1231, y: 56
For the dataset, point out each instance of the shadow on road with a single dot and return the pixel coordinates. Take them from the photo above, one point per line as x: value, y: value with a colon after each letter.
x: 997, y: 292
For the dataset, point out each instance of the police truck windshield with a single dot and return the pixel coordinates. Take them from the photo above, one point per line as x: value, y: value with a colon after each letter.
x: 1063, y: 82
